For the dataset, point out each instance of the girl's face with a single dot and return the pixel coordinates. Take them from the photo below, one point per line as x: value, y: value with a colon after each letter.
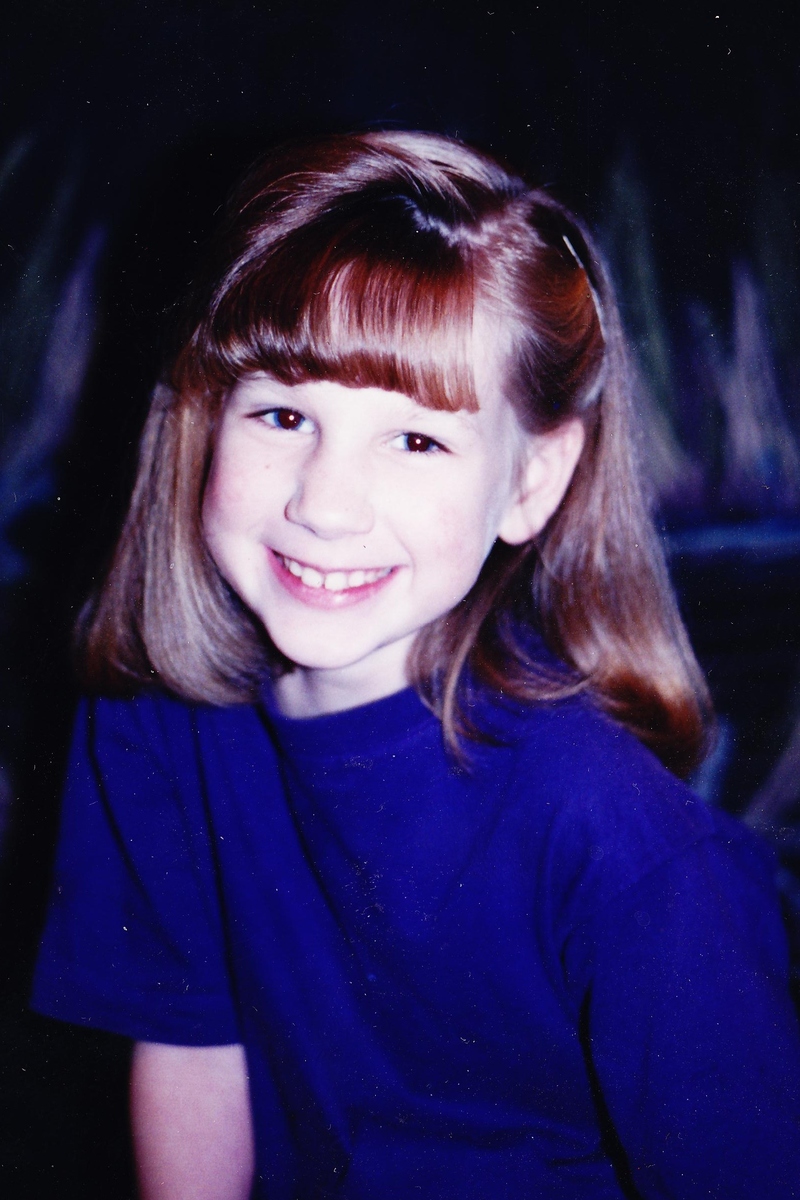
x: 348, y: 519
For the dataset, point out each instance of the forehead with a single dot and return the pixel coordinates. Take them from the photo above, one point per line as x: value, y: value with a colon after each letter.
x: 477, y: 383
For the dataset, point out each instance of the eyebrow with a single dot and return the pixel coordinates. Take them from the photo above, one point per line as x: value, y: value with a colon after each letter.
x: 254, y: 391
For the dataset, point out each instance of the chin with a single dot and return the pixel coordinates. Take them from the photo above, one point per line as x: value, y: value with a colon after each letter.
x: 314, y: 658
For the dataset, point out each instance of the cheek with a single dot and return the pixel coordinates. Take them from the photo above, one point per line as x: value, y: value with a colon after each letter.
x: 236, y: 492
x: 227, y: 513
x: 218, y: 502
x: 456, y: 540
x: 214, y: 524
x: 466, y: 523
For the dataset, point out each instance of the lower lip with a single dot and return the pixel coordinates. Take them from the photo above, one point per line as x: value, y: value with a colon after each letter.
x: 322, y: 598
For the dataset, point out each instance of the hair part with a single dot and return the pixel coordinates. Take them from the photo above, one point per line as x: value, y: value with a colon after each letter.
x: 367, y: 260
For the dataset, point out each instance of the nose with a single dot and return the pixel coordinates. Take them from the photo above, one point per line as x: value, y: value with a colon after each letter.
x: 331, y: 496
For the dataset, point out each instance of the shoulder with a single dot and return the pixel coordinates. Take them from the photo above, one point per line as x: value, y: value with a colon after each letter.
x: 134, y: 940
x: 155, y: 737
x: 132, y: 739
x: 578, y: 752
x: 606, y: 812
x: 154, y: 719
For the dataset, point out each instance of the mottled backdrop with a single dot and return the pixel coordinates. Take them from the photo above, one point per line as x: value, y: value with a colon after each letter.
x: 673, y: 128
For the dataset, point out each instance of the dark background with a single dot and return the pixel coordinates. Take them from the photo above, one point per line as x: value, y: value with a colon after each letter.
x: 672, y: 128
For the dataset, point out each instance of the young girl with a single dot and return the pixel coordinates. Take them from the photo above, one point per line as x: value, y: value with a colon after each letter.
x: 366, y: 840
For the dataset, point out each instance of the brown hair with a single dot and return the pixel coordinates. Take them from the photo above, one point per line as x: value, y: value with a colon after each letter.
x: 363, y: 259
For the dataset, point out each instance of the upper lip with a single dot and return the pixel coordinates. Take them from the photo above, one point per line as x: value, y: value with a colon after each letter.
x: 332, y: 570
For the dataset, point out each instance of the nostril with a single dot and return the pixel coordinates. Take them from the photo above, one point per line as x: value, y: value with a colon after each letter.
x: 331, y: 507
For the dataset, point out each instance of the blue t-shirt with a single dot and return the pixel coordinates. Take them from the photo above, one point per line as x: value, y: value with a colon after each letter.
x: 550, y: 972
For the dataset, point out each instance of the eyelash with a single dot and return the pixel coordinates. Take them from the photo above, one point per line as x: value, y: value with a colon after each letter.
x: 431, y: 446
x: 425, y: 444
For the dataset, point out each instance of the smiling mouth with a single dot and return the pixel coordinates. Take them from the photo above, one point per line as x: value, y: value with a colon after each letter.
x: 332, y: 581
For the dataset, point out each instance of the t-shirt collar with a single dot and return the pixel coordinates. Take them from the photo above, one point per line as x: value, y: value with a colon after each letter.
x: 354, y: 731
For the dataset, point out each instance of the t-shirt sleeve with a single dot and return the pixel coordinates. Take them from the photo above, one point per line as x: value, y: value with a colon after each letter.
x: 133, y: 941
x: 689, y: 1027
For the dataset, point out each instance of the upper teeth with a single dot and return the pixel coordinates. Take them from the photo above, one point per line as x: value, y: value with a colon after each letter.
x: 334, y: 581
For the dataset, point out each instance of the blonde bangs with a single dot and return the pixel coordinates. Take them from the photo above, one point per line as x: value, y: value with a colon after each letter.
x: 348, y: 313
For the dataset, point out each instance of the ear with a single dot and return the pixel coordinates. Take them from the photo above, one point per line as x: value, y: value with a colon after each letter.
x: 548, y: 466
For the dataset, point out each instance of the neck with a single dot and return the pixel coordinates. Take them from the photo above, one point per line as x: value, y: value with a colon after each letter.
x: 306, y: 692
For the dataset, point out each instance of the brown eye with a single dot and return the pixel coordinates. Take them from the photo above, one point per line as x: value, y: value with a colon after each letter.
x: 284, y: 418
x: 420, y: 443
